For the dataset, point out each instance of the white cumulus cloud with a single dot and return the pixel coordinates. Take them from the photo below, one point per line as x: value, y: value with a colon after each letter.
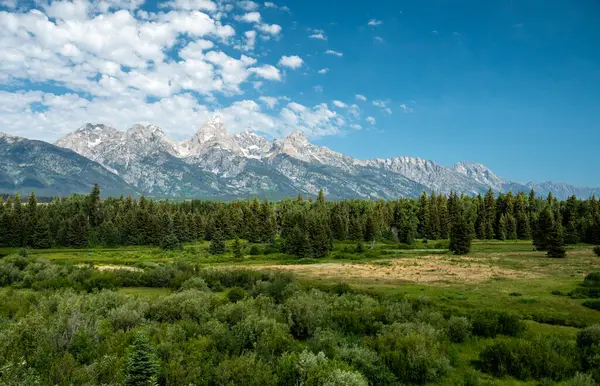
x: 294, y: 62
x: 335, y: 53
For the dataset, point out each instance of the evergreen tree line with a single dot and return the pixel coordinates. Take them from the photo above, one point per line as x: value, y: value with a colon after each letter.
x: 308, y: 227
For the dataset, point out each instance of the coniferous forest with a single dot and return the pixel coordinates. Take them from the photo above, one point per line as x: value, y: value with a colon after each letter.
x: 123, y: 291
x: 307, y: 227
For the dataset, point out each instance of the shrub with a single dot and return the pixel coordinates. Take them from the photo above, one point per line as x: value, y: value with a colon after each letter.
x: 196, y: 283
x: 125, y: 317
x: 592, y: 304
x: 267, y: 337
x: 360, y: 247
x: 581, y: 380
x: 523, y: 359
x: 245, y: 370
x: 255, y: 250
x: 23, y: 252
x: 597, y: 250
x: 9, y: 273
x: 236, y: 294
x: 413, y: 352
x: 308, y: 312
x: 341, y: 288
x: 515, y: 294
x: 459, y: 329
x: 592, y: 279
x: 557, y: 292
x: 588, y: 344
x: 488, y: 323
x: 369, y: 364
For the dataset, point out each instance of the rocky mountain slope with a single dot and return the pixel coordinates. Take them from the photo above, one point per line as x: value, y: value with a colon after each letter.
x: 214, y: 163
x: 27, y: 166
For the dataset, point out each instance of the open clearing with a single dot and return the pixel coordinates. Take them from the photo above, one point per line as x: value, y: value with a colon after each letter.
x: 424, y: 269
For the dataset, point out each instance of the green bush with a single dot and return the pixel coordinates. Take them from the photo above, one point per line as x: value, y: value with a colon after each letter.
x: 581, y: 380
x: 536, y: 359
x: 369, y: 364
x: 9, y: 273
x: 309, y: 312
x: 588, y: 344
x: 413, y: 352
x: 244, y: 370
x: 341, y: 288
x: 236, y: 294
x: 597, y: 250
x: 459, y: 329
x: 255, y: 250
x: 196, y: 283
x: 592, y: 304
x: 592, y: 279
x: 489, y: 323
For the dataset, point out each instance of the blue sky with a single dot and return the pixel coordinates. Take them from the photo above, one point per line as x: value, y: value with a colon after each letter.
x: 514, y: 85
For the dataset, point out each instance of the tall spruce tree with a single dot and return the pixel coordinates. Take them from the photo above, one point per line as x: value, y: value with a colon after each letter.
x: 141, y: 365
x: 490, y: 213
x: 217, y: 244
x: 461, y: 233
x: 238, y: 252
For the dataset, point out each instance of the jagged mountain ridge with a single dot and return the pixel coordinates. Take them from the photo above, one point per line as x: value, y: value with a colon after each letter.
x: 29, y: 165
x: 216, y: 163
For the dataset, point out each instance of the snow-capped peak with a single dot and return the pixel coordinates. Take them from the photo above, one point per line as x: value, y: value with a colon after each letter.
x: 297, y: 138
x: 212, y: 129
x: 480, y: 173
x: 10, y: 138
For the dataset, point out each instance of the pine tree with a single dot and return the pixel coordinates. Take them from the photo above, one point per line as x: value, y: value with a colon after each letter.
x: 41, y: 236
x: 355, y: 231
x: 298, y: 243
x: 237, y: 249
x: 490, y: 212
x: 93, y: 206
x: 108, y: 235
x: 77, y: 232
x: 523, y: 217
x: 370, y: 228
x: 217, y: 244
x: 502, y: 228
x: 321, y: 198
x: 141, y: 366
x: 544, y: 229
x: 424, y: 216
x: 555, y: 239
x: 511, y: 231
x: 319, y: 236
x: 444, y: 216
x: 460, y: 234
x: 480, y: 221
x: 171, y: 243
x: 16, y: 235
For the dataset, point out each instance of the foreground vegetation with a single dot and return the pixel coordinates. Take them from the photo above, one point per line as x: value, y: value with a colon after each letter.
x: 187, y: 317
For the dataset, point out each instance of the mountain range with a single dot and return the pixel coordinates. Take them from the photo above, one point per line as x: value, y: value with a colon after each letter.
x: 214, y: 163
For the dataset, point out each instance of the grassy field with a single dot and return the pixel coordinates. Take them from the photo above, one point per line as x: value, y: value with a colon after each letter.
x: 507, y: 276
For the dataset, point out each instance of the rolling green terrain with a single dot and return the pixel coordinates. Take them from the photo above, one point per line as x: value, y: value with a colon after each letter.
x: 391, y: 314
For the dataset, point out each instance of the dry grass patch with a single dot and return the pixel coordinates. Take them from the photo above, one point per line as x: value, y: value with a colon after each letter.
x: 426, y: 269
